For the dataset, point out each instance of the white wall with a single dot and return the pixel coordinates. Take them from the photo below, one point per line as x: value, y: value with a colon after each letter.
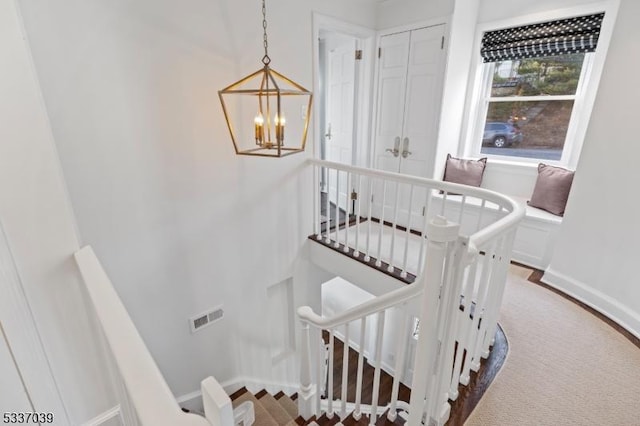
x: 494, y: 10
x: 459, y: 58
x: 40, y: 230
x: 179, y: 221
x: 393, y: 13
x: 13, y: 395
x: 596, y: 257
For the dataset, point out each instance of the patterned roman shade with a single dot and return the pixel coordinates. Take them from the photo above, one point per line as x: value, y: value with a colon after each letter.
x: 565, y: 36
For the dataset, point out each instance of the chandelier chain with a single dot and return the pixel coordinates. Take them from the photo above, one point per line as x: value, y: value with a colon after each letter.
x: 265, y: 60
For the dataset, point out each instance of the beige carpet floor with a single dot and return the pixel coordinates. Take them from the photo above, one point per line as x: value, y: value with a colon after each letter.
x: 565, y: 366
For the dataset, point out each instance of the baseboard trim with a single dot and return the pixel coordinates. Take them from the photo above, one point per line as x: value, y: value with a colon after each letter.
x: 104, y: 417
x: 596, y: 300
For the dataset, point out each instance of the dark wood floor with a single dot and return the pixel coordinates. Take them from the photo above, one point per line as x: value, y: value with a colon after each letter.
x: 386, y: 381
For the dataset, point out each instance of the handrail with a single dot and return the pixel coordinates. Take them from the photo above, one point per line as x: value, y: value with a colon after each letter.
x: 515, y: 211
x: 388, y: 300
x: 154, y: 403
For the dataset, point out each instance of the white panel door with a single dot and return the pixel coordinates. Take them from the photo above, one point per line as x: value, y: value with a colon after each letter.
x: 409, y: 98
x: 13, y: 396
x: 422, y: 112
x: 339, y: 138
x: 392, y: 83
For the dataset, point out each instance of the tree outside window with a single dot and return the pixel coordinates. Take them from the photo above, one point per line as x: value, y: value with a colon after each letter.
x: 529, y: 105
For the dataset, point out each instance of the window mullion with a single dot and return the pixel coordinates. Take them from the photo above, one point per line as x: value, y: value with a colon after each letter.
x: 531, y: 98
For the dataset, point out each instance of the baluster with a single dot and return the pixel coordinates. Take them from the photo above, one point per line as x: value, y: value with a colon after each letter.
x: 488, y: 302
x: 376, y: 374
x: 381, y: 227
x: 483, y: 207
x: 321, y: 371
x: 403, y: 273
x: 463, y: 204
x: 328, y: 209
x: 357, y: 414
x: 330, y: 380
x: 444, y: 203
x: 401, y: 352
x: 316, y: 203
x: 347, y: 209
x: 367, y: 255
x: 356, y: 252
x: 483, y: 291
x: 463, y: 342
x: 499, y: 279
x: 390, y: 268
x: 423, y: 239
x: 305, y: 399
x: 336, y: 244
x: 345, y: 372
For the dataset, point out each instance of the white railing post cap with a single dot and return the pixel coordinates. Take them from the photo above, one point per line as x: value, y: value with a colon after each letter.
x: 440, y: 229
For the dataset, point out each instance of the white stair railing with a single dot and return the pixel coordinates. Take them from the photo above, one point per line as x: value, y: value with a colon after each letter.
x: 458, y: 246
x: 147, y: 390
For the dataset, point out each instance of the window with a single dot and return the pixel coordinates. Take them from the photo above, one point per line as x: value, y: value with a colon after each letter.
x: 533, y: 79
x: 529, y: 104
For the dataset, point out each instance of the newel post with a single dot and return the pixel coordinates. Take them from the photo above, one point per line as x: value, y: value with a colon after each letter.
x: 307, y: 392
x: 439, y: 233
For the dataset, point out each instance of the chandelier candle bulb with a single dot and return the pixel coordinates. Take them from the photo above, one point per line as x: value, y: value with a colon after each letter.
x: 259, y: 129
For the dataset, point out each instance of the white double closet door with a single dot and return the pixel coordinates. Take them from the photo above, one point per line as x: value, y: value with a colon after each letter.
x: 410, y: 75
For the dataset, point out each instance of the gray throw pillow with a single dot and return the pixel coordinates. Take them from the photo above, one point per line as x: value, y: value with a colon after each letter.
x: 552, y: 189
x: 466, y: 172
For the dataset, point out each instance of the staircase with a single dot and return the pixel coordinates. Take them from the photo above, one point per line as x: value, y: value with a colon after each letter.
x: 455, y: 240
x: 282, y: 410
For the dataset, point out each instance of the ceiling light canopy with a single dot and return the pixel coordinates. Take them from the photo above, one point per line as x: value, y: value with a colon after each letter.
x: 259, y: 107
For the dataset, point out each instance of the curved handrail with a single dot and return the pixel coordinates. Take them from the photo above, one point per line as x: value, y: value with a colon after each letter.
x: 388, y: 300
x: 515, y: 211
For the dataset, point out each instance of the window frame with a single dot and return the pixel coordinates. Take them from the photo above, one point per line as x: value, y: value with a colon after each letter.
x: 480, y: 80
x: 487, y: 71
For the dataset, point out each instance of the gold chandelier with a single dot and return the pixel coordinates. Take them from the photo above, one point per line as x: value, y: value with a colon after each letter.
x: 264, y: 103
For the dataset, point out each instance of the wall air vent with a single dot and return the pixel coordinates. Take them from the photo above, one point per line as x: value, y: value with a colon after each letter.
x: 198, y: 322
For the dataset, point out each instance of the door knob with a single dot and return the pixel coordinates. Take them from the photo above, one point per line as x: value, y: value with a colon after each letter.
x: 328, y: 134
x: 405, y: 148
x: 396, y: 147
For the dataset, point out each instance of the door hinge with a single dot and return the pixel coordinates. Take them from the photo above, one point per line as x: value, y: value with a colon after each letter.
x: 424, y: 210
x: 359, y: 55
x: 372, y: 198
x: 379, y: 52
x: 354, y: 195
x: 442, y: 43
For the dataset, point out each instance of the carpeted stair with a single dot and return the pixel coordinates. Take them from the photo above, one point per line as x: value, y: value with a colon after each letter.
x: 282, y: 410
x: 270, y: 410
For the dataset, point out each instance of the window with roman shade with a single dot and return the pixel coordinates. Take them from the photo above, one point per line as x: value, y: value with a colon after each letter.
x: 532, y: 82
